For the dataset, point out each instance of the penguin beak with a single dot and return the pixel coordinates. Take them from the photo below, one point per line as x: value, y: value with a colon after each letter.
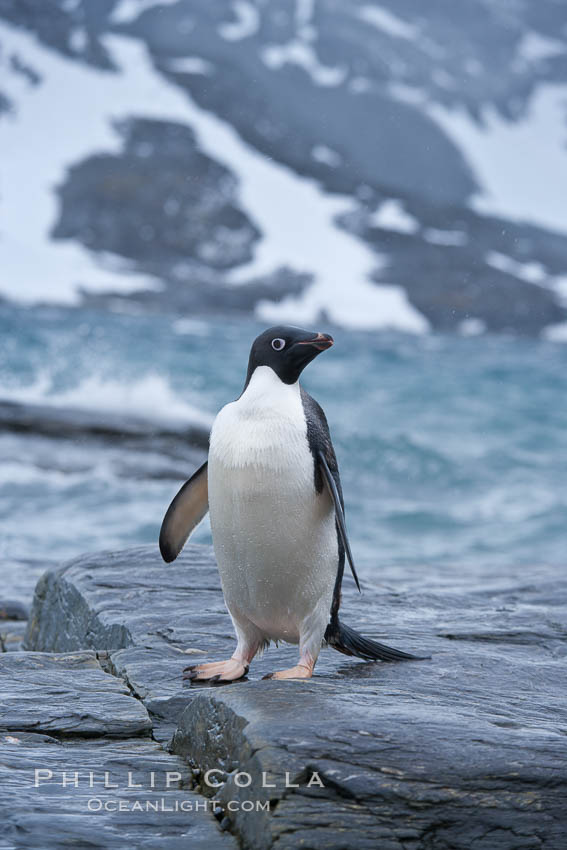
x: 320, y: 341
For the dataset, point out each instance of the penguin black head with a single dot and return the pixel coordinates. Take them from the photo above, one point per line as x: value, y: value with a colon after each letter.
x: 286, y: 350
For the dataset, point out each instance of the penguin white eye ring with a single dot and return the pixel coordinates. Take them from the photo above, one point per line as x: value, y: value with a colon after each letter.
x: 273, y: 490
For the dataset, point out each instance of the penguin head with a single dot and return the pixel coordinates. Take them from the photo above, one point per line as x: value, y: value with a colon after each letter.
x: 287, y: 350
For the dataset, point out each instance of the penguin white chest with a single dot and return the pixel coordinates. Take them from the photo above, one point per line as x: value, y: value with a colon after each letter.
x: 274, y: 535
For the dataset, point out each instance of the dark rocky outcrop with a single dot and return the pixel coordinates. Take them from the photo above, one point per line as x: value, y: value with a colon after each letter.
x: 68, y: 423
x: 99, y: 705
x: 13, y: 623
x: 67, y: 440
x: 74, y: 747
x: 160, y: 201
x: 52, y: 816
x: 465, y: 750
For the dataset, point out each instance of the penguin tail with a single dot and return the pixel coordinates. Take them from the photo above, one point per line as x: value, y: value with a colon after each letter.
x: 350, y: 642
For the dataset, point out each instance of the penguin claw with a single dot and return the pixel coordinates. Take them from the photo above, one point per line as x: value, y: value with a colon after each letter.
x: 216, y: 671
x: 191, y: 675
x: 268, y: 676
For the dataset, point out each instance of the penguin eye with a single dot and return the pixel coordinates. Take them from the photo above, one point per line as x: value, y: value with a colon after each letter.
x: 278, y: 344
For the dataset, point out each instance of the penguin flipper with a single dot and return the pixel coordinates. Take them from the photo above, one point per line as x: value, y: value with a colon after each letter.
x: 183, y: 515
x: 339, y: 513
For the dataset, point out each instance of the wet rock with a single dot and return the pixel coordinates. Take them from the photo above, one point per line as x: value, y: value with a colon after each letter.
x: 12, y: 610
x: 438, y: 754
x: 102, y: 811
x: 37, y: 696
x: 78, y: 767
x: 72, y: 440
x: 12, y: 635
x: 144, y: 612
x: 68, y: 423
x: 466, y: 749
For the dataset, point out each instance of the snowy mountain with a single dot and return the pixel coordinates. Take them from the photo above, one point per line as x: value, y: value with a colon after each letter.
x: 385, y: 164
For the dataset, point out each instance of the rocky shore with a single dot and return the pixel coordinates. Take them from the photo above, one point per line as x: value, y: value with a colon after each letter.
x: 465, y: 750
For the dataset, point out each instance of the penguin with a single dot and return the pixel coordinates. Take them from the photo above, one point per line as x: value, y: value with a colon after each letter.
x: 272, y: 487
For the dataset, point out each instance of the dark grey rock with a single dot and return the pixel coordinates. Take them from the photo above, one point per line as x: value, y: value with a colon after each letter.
x: 12, y: 635
x: 38, y: 811
x: 71, y: 440
x: 66, y: 694
x: 160, y: 201
x: 55, y: 23
x: 451, y: 283
x: 262, y: 102
x: 146, y: 614
x: 12, y: 609
x: 174, y: 212
x: 455, y: 753
x: 68, y: 423
x: 78, y: 767
x: 467, y: 749
x: 190, y: 289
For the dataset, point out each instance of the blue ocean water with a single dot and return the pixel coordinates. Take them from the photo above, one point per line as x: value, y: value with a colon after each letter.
x: 453, y: 451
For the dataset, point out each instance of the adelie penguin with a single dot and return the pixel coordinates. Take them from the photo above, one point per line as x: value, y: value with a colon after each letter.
x: 272, y: 487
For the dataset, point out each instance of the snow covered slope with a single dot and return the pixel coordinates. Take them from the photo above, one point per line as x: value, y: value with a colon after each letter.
x: 363, y: 160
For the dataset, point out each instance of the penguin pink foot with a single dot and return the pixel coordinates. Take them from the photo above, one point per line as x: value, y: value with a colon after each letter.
x: 300, y: 671
x: 217, y: 671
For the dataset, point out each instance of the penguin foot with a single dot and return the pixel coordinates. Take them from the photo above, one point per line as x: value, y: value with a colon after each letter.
x: 217, y: 671
x: 300, y: 671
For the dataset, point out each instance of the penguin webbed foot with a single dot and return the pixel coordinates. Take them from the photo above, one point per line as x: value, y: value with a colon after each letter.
x: 216, y: 671
x: 300, y: 671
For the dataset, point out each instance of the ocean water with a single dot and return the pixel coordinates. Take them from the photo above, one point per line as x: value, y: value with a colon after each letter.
x: 453, y: 451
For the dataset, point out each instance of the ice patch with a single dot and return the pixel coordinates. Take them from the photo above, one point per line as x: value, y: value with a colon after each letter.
x: 387, y: 22
x: 443, y: 79
x: 472, y: 327
x: 275, y: 56
x: 127, y: 11
x: 303, y: 19
x: 383, y: 306
x: 327, y: 156
x: 359, y: 85
x: 559, y: 285
x: 530, y: 272
x: 522, y: 165
x: 533, y: 47
x: 555, y: 333
x: 78, y: 40
x: 408, y: 94
x: 445, y: 237
x: 247, y: 22
x: 190, y: 65
x: 392, y: 216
